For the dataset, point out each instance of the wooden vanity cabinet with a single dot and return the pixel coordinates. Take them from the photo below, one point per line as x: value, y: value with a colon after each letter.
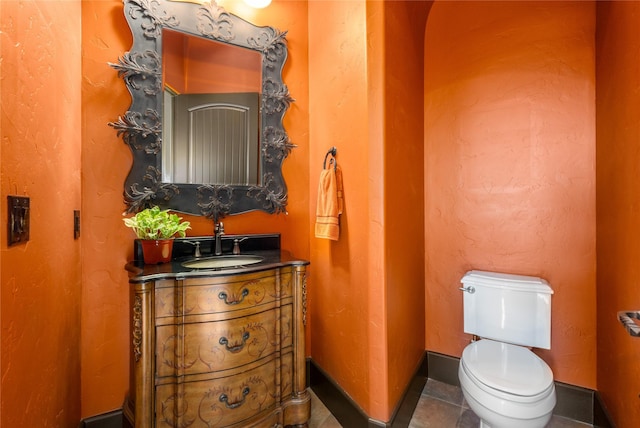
x: 219, y: 351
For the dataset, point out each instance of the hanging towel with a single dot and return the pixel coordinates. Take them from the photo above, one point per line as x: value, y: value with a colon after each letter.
x: 330, y: 203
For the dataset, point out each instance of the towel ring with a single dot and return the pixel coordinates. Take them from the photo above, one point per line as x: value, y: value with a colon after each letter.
x: 332, y: 151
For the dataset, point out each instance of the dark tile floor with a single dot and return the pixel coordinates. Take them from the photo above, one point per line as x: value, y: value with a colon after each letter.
x: 440, y: 406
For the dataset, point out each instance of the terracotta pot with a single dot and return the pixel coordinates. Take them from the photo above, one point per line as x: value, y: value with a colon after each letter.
x: 156, y: 251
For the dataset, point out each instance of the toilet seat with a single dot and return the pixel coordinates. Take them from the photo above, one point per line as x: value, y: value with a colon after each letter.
x: 507, y: 370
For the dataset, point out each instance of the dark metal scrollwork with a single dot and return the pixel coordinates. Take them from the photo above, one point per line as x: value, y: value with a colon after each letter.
x: 153, y: 17
x: 141, y: 126
x: 139, y: 196
x: 136, y: 124
x: 141, y: 71
x: 215, y: 201
x: 272, y: 44
x: 272, y: 197
x: 214, y: 22
x: 278, y: 99
x: 276, y: 145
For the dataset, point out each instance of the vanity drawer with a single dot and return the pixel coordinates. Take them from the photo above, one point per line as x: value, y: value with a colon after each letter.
x: 221, y: 294
x: 218, y: 402
x: 221, y: 345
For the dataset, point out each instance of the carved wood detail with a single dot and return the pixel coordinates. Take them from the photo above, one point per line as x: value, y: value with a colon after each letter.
x: 217, y: 363
x: 137, y: 327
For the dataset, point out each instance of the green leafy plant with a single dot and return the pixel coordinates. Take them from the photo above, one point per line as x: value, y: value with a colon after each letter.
x: 154, y: 223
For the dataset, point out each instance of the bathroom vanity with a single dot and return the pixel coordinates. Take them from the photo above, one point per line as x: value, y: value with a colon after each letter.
x: 218, y: 347
x: 219, y: 344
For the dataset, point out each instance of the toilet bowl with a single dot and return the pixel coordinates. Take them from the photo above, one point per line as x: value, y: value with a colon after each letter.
x: 507, y: 386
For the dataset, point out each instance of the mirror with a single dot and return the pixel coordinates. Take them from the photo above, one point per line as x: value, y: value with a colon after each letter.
x: 210, y: 126
x: 205, y: 123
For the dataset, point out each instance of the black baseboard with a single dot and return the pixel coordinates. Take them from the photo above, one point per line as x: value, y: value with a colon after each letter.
x: 402, y: 415
x: 577, y: 403
x: 112, y: 419
x: 345, y: 410
x: 443, y: 368
x: 601, y: 418
x: 349, y: 414
x: 574, y: 402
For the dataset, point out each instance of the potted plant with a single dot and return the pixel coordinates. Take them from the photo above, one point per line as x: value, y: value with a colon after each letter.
x: 156, y: 229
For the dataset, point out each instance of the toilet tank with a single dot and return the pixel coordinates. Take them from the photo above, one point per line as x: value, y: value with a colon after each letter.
x: 508, y: 308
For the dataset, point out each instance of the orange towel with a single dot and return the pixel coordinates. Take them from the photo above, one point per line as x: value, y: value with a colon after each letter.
x: 330, y: 203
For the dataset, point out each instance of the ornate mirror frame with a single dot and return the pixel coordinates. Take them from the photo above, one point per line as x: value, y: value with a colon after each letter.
x: 141, y: 126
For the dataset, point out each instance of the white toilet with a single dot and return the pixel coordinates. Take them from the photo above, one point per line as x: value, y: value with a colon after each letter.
x: 504, y: 382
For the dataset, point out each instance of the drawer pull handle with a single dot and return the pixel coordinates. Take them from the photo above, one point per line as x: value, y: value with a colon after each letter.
x: 224, y: 399
x: 223, y: 296
x: 236, y: 348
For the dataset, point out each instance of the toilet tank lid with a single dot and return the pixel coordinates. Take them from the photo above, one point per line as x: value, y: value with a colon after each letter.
x: 495, y: 279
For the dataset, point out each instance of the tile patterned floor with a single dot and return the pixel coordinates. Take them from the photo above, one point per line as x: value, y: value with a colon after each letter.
x: 440, y: 406
x: 321, y: 417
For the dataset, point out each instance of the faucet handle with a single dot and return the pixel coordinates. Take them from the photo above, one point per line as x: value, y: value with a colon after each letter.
x: 236, y: 244
x: 196, y: 244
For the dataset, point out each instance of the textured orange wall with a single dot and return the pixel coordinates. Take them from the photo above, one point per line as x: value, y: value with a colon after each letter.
x: 367, y: 288
x: 404, y: 24
x: 618, y: 208
x: 546, y: 98
x: 107, y: 244
x: 510, y: 165
x: 40, y: 280
x: 340, y: 280
x: 189, y: 62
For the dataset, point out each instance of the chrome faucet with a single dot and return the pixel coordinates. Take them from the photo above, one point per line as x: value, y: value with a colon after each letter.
x: 219, y: 231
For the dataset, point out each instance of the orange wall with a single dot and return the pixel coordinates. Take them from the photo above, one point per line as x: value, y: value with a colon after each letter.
x: 403, y: 38
x: 509, y: 165
x: 506, y: 83
x: 618, y: 207
x: 367, y: 288
x: 189, y: 62
x: 40, y: 280
x: 107, y: 244
x: 339, y: 287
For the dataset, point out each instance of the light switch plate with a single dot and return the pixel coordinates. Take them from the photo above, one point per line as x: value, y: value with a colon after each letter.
x: 18, y: 219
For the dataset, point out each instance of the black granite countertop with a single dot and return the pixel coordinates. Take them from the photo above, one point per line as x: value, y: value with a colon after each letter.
x: 266, y: 246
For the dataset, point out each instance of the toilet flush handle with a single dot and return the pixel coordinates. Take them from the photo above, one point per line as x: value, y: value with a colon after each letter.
x: 468, y: 289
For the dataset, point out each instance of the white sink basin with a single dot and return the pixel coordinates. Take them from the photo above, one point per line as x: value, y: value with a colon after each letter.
x: 223, y: 262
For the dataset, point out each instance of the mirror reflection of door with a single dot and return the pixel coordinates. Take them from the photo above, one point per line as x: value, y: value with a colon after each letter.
x: 210, y: 117
x: 213, y: 139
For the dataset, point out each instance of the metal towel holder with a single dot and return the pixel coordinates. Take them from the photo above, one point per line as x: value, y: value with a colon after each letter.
x: 627, y: 320
x: 332, y: 151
